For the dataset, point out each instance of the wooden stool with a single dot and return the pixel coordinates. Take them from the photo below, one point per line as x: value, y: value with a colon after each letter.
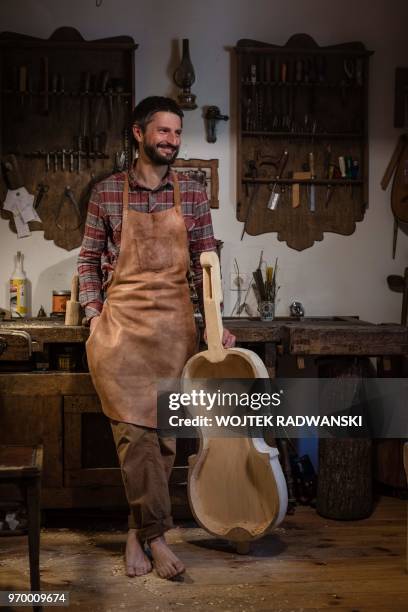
x: 22, y: 466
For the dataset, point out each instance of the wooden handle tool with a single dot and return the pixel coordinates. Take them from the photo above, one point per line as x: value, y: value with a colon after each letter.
x: 73, y: 310
x: 302, y: 176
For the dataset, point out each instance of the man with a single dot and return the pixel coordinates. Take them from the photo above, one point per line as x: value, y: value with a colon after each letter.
x: 141, y: 230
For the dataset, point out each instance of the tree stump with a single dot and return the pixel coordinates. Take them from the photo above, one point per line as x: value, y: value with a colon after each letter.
x: 345, y: 489
x: 345, y: 478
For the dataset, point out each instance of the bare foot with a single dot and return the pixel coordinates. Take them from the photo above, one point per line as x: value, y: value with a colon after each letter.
x: 137, y: 564
x: 165, y: 561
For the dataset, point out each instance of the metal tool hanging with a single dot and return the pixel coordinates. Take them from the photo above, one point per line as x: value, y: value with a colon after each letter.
x: 68, y: 194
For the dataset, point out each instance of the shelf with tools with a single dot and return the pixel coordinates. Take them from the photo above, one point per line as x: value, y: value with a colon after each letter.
x: 315, y: 181
x: 308, y: 135
x: 302, y: 163
x: 65, y: 108
x: 67, y: 94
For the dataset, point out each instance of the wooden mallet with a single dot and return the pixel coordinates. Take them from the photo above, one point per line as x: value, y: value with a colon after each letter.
x: 73, y: 310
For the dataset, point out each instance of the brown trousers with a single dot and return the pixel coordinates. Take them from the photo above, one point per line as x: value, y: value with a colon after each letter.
x: 146, y: 461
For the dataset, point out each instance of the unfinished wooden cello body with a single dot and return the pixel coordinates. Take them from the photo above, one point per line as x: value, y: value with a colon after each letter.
x: 236, y: 486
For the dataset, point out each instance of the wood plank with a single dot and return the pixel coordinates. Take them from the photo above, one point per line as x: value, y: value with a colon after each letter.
x: 48, y: 330
x: 370, y: 340
x: 46, y: 384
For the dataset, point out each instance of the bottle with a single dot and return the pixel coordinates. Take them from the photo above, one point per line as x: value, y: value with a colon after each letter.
x: 18, y: 290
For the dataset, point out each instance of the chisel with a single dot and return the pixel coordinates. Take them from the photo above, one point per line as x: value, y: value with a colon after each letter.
x: 312, y: 200
x: 250, y: 205
x: 301, y: 176
x: 101, y: 94
x: 274, y: 197
x: 46, y: 107
x: 22, y: 83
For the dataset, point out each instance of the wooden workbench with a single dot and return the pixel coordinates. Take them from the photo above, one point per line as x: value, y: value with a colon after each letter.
x: 61, y: 409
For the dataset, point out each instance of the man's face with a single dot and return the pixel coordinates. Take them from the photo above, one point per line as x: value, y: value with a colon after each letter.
x: 160, y: 142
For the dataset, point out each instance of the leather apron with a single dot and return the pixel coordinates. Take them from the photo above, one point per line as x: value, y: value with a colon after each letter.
x: 146, y: 330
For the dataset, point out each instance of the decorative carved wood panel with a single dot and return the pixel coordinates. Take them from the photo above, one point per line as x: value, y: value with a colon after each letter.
x: 65, y: 111
x: 301, y: 107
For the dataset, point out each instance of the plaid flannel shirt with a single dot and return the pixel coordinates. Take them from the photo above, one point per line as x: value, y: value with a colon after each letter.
x: 101, y: 243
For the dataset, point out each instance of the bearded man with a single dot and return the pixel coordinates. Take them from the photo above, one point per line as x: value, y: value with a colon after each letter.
x: 143, y: 229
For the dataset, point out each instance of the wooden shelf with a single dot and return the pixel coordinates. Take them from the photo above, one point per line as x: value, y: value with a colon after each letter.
x: 293, y: 84
x: 64, y: 99
x: 316, y: 181
x: 70, y: 94
x: 306, y: 106
x: 305, y: 135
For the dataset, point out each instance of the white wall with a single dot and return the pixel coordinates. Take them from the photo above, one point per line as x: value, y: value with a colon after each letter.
x: 340, y: 275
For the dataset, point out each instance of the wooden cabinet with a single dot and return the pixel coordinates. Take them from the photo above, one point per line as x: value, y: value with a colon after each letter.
x: 62, y: 412
x: 28, y: 418
x: 65, y: 110
x: 89, y: 451
x: 302, y: 138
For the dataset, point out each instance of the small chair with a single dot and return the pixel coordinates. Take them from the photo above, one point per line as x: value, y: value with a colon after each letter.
x: 22, y: 466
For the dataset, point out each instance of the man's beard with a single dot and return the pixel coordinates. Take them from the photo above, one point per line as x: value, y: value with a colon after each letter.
x: 153, y: 153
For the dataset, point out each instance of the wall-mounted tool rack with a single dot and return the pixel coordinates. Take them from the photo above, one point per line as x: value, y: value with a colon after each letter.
x: 302, y: 138
x: 64, y: 118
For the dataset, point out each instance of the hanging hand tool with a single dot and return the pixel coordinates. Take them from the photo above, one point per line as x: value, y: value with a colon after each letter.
x: 54, y: 90
x: 80, y: 147
x: 312, y: 187
x: 68, y: 194
x: 22, y: 84
x: 42, y: 189
x: 60, y: 94
x: 253, y: 99
x: 255, y: 190
x: 110, y: 105
x: 274, y: 197
x: 330, y: 187
x: 321, y: 68
x: 64, y: 152
x: 30, y: 90
x: 101, y: 95
x: 327, y: 166
x: 84, y: 110
x: 46, y: 106
x: 301, y: 176
x: 342, y: 166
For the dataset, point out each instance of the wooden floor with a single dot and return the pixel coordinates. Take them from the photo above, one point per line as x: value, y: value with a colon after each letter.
x: 308, y: 564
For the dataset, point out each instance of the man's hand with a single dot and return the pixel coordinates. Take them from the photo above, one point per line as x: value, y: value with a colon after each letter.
x: 94, y: 322
x: 228, y: 339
